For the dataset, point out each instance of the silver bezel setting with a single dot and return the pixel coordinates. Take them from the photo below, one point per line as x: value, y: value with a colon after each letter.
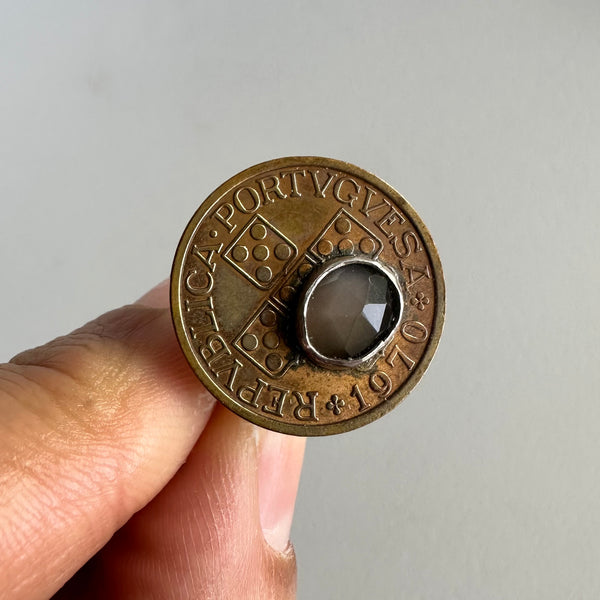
x: 313, y: 281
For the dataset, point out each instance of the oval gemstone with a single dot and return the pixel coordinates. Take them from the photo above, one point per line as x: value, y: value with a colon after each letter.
x: 351, y: 310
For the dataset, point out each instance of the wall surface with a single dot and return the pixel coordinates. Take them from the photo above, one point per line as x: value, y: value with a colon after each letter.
x: 116, y: 121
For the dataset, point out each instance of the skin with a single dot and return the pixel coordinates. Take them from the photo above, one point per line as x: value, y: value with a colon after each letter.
x: 121, y: 478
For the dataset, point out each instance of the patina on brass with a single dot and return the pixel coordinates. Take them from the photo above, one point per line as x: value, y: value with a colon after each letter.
x: 240, y: 279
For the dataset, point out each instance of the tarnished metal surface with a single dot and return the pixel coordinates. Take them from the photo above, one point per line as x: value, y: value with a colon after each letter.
x: 240, y: 270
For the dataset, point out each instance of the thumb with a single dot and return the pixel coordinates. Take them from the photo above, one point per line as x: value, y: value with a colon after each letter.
x: 220, y: 529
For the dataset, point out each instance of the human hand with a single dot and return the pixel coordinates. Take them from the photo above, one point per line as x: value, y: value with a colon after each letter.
x: 121, y: 478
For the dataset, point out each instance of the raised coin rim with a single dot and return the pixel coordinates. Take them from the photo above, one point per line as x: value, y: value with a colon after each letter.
x: 306, y: 430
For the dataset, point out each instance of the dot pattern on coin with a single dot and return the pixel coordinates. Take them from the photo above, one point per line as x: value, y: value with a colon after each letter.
x: 260, y: 252
x: 367, y: 246
x: 250, y: 342
x: 258, y: 232
x: 343, y: 234
x: 346, y: 246
x: 343, y: 225
x: 253, y: 246
x: 239, y: 253
x: 241, y: 272
x: 271, y: 340
x: 270, y: 350
x: 283, y: 251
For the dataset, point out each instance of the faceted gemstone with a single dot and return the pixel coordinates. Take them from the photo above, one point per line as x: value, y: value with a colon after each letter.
x: 351, y: 310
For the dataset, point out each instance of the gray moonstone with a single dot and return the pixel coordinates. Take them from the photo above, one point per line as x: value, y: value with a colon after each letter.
x: 350, y: 311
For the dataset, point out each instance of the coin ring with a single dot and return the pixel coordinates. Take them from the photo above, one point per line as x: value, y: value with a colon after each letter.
x: 209, y: 275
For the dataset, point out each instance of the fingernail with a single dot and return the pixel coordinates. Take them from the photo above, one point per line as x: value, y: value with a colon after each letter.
x: 279, y: 467
x: 157, y: 297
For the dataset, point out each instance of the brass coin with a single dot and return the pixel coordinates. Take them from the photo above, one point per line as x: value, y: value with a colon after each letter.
x: 307, y: 295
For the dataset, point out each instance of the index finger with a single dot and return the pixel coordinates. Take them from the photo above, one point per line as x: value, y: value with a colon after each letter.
x: 92, y: 426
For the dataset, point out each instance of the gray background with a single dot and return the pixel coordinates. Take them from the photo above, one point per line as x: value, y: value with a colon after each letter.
x: 118, y: 119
